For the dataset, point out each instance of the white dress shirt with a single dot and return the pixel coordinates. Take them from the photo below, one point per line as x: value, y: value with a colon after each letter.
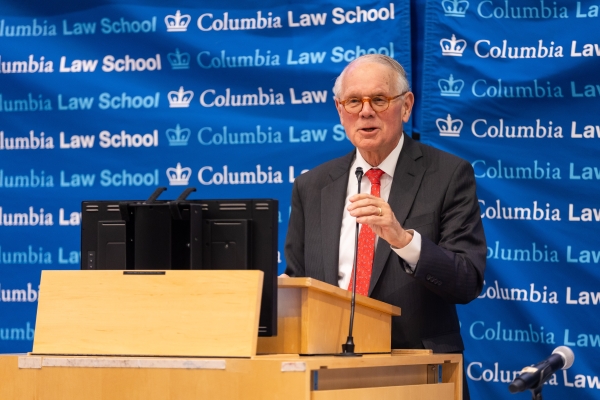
x: 410, y: 253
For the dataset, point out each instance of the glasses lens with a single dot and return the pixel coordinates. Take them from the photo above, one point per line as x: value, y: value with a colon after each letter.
x: 353, y: 104
x: 379, y: 103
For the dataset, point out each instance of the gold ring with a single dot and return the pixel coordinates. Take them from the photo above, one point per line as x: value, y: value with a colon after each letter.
x: 380, y: 213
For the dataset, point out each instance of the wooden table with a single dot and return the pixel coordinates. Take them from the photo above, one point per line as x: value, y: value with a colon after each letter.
x: 408, y: 375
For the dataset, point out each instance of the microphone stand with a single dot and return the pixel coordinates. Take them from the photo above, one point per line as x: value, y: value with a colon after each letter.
x: 536, y: 392
x: 348, y: 347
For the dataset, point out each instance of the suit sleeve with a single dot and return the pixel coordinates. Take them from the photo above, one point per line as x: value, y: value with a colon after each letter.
x: 294, y: 241
x: 453, y: 267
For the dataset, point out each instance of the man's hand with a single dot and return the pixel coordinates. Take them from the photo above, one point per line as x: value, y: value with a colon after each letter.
x: 283, y: 276
x: 378, y: 215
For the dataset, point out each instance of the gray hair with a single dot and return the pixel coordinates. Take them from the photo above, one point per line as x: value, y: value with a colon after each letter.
x: 401, y: 83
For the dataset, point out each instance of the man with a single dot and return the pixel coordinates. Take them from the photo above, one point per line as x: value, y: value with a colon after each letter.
x: 420, y: 202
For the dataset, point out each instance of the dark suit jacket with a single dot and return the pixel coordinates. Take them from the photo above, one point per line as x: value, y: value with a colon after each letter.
x: 432, y: 192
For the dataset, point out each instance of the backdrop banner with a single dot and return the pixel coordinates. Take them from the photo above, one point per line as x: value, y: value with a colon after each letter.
x: 512, y: 87
x: 109, y: 100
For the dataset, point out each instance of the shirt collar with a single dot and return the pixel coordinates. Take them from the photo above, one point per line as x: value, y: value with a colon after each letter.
x: 388, y: 165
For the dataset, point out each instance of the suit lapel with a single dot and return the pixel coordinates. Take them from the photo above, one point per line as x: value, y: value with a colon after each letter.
x: 333, y: 198
x: 407, y: 180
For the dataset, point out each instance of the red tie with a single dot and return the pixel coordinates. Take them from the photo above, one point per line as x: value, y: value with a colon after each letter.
x: 366, y: 243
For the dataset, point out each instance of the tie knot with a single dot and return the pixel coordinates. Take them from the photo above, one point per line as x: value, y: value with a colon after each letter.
x: 374, y: 176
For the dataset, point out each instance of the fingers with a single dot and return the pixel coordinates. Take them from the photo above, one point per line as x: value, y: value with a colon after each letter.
x: 283, y: 276
x: 366, y: 204
x: 367, y: 210
x: 373, y: 221
x: 363, y: 196
x: 378, y: 215
x: 386, y: 227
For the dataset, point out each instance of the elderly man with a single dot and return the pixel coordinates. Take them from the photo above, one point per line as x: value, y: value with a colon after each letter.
x: 418, y: 201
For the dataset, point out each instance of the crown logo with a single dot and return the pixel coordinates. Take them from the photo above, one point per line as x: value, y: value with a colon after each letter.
x: 453, y: 47
x: 179, y: 60
x: 449, y: 127
x: 177, y: 22
x: 451, y: 87
x: 178, y: 136
x: 180, y: 99
x: 455, y: 8
x: 179, y: 176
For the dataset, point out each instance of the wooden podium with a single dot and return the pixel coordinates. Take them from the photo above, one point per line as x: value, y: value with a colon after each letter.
x: 313, y: 318
x: 193, y: 334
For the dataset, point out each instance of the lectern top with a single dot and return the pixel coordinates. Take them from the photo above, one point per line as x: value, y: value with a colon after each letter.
x: 338, y: 292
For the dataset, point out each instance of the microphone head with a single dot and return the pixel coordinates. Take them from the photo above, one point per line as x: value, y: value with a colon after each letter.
x: 359, y: 172
x: 567, y: 355
x: 517, y: 386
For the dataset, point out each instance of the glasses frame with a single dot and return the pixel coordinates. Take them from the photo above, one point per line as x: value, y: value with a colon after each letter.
x: 368, y: 99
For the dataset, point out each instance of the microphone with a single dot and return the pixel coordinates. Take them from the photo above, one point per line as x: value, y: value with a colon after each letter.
x: 359, y: 174
x: 534, y: 377
x: 348, y: 347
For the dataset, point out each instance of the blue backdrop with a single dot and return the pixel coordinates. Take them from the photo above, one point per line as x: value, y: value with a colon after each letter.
x: 512, y: 87
x: 108, y: 100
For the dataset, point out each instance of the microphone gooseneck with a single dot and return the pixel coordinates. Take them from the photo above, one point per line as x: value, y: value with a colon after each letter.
x: 348, y: 347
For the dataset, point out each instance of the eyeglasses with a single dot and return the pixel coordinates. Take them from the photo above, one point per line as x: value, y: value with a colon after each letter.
x: 354, y: 105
